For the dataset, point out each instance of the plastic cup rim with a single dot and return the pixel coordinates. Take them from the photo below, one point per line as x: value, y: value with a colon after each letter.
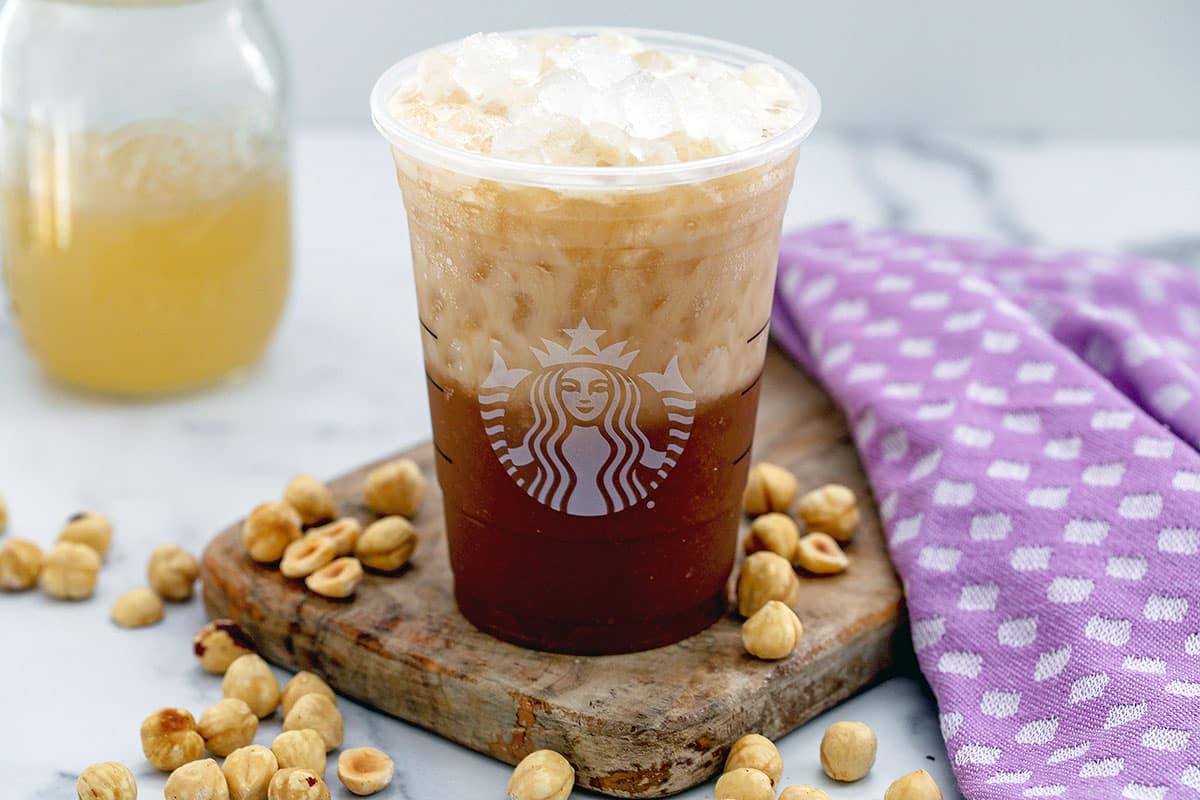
x: 486, y: 166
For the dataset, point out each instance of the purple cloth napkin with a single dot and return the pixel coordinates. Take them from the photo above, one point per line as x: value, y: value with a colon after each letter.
x: 1029, y: 422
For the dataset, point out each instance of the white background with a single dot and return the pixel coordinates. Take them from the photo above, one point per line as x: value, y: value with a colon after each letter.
x: 1090, y: 67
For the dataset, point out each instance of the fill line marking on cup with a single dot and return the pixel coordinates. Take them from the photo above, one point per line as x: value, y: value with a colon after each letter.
x: 757, y: 334
x: 442, y: 453
x: 428, y: 329
x: 745, y: 453
x: 753, y: 383
x: 435, y: 384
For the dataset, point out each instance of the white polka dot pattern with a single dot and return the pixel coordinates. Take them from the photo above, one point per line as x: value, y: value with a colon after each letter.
x: 1030, y: 419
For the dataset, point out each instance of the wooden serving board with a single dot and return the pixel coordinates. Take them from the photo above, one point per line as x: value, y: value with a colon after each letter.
x: 639, y: 725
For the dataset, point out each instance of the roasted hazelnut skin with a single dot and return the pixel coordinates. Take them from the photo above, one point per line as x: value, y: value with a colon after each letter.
x: 250, y: 680
x: 69, y: 571
x: 303, y: 683
x: 756, y: 752
x: 312, y: 499
x: 772, y: 632
x: 542, y: 775
x: 303, y: 749
x: 396, y: 487
x: 769, y: 488
x: 248, y: 770
x: 801, y: 792
x: 170, y: 739
x: 775, y: 532
x: 89, y: 528
x: 744, y: 783
x: 317, y: 712
x: 848, y: 751
x: 918, y: 785
x: 137, y: 608
x: 765, y: 576
x: 269, y: 529
x: 297, y: 784
x: 831, y: 509
x: 197, y: 780
x: 227, y: 726
x: 20, y: 565
x: 387, y: 544
x: 219, y: 643
x: 106, y: 781
x: 172, y: 572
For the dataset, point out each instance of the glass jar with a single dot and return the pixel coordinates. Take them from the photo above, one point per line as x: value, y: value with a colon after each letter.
x: 144, y: 175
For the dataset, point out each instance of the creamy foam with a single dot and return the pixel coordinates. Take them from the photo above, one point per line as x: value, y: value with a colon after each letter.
x: 604, y: 100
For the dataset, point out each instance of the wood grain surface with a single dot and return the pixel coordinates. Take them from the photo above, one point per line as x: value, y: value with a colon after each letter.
x: 645, y: 724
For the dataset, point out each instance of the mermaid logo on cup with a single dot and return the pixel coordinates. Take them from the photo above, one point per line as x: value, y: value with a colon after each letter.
x: 588, y: 450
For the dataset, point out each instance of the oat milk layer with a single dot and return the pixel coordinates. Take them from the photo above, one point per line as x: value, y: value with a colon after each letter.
x: 679, y: 270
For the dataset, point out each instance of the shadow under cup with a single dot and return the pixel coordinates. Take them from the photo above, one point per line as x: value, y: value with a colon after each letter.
x: 594, y: 339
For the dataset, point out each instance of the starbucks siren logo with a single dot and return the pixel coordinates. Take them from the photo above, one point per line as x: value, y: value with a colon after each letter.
x: 586, y: 450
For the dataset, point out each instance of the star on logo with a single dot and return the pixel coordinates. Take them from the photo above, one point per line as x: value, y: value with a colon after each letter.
x: 584, y: 337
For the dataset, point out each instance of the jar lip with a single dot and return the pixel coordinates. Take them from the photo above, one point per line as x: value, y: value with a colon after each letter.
x: 487, y: 166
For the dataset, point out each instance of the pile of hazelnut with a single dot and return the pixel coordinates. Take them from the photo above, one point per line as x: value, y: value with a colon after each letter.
x: 767, y: 586
x: 753, y: 768
x: 72, y: 567
x: 292, y: 768
x: 304, y: 536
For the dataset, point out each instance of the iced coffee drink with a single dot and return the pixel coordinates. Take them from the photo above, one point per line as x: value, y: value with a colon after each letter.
x: 594, y: 222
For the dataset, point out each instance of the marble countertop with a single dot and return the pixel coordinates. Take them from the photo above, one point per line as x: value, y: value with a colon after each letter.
x: 342, y: 385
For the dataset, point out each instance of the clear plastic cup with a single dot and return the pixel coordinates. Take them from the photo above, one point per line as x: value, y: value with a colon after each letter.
x: 594, y: 338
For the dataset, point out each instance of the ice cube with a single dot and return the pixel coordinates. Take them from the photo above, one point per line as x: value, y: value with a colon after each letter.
x: 649, y: 107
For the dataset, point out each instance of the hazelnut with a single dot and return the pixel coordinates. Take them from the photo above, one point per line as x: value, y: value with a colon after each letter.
x: 319, y: 713
x: 744, y: 783
x: 297, y: 784
x: 89, y: 528
x: 137, y: 608
x: 343, y: 533
x: 69, y: 571
x: 219, y: 643
x: 172, y: 572
x: 774, y: 532
x: 107, y: 781
x: 269, y: 529
x: 820, y: 554
x: 799, y: 792
x: 227, y: 725
x: 300, y: 749
x: 248, y: 770
x: 848, y: 751
x: 20, y: 565
x: 542, y: 775
x: 3, y: 514
x: 337, y: 580
x: 772, y: 632
x: 396, y: 487
x: 170, y: 739
x: 918, y: 785
x: 387, y: 544
x: 250, y: 680
x: 312, y: 499
x: 765, y: 576
x: 365, y: 770
x: 756, y: 752
x: 769, y: 488
x: 830, y: 509
x: 306, y: 556
x: 199, y: 780
x: 303, y: 683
